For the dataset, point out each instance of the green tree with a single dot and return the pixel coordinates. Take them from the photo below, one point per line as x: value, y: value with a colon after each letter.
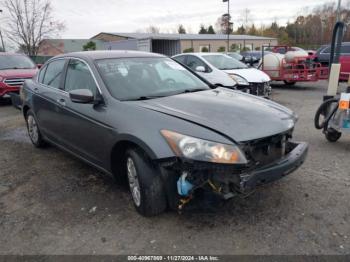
x: 211, y: 30
x: 89, y: 46
x: 234, y: 48
x: 181, y: 29
x: 203, y: 30
x: 252, y: 30
x: 241, y: 30
x: 221, y: 49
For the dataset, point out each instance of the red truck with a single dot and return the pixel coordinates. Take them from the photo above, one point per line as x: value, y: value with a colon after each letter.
x: 14, y: 70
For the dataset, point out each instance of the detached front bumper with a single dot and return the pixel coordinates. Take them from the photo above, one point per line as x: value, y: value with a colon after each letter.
x: 274, y: 171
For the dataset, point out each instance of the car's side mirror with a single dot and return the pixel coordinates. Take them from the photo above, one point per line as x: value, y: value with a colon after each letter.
x: 200, y: 69
x: 81, y: 96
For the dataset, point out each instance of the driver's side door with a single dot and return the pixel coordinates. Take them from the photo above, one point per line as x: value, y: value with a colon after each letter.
x: 83, y: 129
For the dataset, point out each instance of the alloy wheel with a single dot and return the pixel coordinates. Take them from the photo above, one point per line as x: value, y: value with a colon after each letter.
x: 133, y: 181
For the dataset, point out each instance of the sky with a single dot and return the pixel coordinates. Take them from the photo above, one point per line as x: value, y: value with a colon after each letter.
x: 86, y: 18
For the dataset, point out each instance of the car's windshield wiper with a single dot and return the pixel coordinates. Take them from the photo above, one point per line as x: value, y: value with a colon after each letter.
x: 192, y: 91
x: 141, y: 98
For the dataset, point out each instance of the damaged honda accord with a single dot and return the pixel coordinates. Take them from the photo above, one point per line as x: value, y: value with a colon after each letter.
x: 164, y: 130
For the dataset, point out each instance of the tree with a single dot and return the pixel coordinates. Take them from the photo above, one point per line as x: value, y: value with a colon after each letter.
x: 234, y: 48
x: 181, y: 29
x: 29, y: 22
x: 203, y: 30
x: 221, y: 49
x: 252, y: 30
x: 89, y: 46
x: 241, y: 30
x: 153, y: 29
x: 211, y: 30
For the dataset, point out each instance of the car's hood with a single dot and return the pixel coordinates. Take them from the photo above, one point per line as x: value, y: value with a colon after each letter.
x: 252, y: 75
x: 240, y: 116
x: 18, y: 73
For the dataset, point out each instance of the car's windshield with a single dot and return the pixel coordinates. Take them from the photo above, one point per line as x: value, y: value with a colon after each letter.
x: 143, y: 78
x: 224, y: 62
x: 16, y: 62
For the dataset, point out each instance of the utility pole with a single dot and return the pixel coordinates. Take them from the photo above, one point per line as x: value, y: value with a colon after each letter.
x: 228, y: 24
x: 338, y: 10
x: 2, y: 39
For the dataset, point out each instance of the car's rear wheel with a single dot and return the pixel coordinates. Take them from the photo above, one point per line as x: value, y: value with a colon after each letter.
x: 145, y: 184
x: 33, y: 130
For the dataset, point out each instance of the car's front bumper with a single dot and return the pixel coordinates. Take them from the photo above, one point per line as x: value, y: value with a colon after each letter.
x: 276, y: 170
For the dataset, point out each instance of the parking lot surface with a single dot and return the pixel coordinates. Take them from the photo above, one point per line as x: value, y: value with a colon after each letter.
x: 52, y: 203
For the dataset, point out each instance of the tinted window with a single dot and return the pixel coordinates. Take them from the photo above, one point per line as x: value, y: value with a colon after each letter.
x: 54, y: 73
x: 16, y: 62
x: 79, y: 77
x: 133, y: 78
x: 180, y: 59
x: 193, y: 62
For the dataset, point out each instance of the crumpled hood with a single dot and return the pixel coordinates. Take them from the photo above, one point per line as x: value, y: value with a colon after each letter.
x: 240, y: 116
x: 252, y: 75
x: 18, y: 73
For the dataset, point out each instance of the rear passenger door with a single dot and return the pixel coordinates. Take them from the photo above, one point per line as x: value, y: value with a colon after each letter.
x: 83, y: 129
x: 47, y: 101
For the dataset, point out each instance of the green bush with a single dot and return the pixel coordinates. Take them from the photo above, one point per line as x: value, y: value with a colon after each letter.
x: 221, y: 49
x: 188, y: 50
x: 205, y: 49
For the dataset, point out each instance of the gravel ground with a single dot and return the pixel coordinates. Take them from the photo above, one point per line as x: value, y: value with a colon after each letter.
x: 51, y: 203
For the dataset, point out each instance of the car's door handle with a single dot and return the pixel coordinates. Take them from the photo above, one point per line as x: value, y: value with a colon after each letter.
x: 61, y: 101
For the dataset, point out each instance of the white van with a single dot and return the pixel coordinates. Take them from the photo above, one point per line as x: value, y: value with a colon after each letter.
x: 223, y: 70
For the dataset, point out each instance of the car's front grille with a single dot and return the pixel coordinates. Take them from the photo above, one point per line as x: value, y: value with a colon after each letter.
x: 267, y: 150
x: 16, y: 82
x: 260, y: 89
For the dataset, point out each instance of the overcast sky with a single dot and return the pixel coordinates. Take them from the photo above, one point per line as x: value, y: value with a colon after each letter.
x: 85, y: 18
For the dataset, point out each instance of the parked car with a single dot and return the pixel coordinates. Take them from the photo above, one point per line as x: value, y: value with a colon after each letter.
x: 146, y: 118
x: 324, y: 52
x: 14, y: 70
x: 220, y: 69
x: 253, y: 58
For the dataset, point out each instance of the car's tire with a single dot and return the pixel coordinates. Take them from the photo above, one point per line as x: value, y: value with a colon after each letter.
x: 33, y: 130
x: 145, y: 183
x: 289, y: 83
x: 332, y: 135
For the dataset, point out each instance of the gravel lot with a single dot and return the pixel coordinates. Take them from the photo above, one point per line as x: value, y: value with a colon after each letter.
x: 51, y: 203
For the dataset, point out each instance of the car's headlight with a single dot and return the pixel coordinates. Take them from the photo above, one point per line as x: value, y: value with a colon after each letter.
x: 203, y: 150
x: 240, y: 80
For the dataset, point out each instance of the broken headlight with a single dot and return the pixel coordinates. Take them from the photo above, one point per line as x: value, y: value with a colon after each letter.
x: 203, y: 150
x: 240, y: 80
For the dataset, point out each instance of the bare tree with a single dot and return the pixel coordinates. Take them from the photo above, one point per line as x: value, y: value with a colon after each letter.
x: 29, y: 22
x: 153, y: 29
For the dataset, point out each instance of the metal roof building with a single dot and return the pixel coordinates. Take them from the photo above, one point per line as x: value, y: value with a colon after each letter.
x: 171, y: 44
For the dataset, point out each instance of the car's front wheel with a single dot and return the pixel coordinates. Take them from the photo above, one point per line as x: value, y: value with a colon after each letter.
x: 33, y: 130
x: 145, y: 184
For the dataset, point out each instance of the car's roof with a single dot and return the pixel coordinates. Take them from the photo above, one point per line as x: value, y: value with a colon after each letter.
x: 96, y: 55
x: 201, y: 54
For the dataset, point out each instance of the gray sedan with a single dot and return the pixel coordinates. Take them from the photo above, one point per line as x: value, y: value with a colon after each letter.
x: 146, y: 120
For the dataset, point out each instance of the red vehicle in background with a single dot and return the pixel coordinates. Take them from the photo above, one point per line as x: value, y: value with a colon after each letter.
x: 14, y: 70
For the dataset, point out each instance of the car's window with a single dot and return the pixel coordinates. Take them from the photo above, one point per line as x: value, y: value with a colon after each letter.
x: 133, y: 78
x: 193, y: 62
x: 42, y: 74
x: 79, y: 77
x: 327, y: 50
x: 345, y: 49
x: 180, y: 59
x: 54, y: 73
x: 224, y: 62
x: 16, y: 62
